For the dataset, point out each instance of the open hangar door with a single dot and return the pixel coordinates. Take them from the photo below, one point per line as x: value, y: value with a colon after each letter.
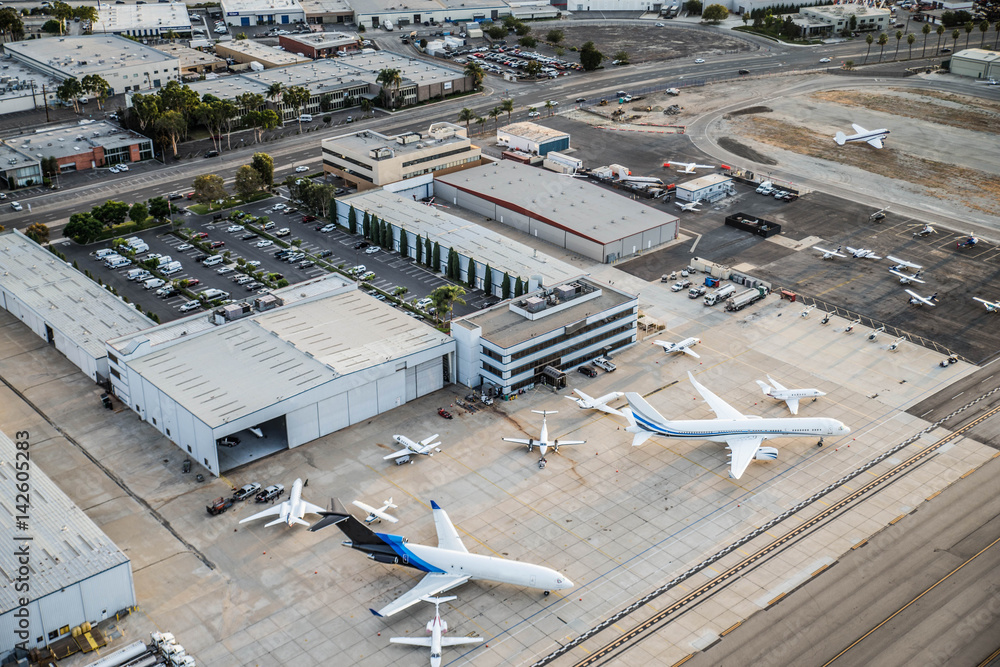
x: 252, y: 444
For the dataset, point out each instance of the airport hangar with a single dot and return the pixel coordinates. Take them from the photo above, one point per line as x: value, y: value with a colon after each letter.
x: 398, y: 206
x: 301, y: 363
x: 62, y: 306
x: 76, y: 574
x: 571, y: 213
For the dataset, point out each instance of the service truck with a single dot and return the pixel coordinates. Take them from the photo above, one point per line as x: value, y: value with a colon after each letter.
x: 720, y: 294
x: 744, y: 299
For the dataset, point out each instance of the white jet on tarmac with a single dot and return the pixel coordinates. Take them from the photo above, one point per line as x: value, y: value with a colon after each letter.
x: 683, y: 346
x: 436, y: 629
x: 791, y: 397
x: 290, y: 511
x: 543, y: 443
x: 743, y: 434
x: 589, y: 403
x: 427, y: 446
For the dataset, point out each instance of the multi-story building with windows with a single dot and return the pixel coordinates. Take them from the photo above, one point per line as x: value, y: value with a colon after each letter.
x: 368, y: 159
x: 543, y: 334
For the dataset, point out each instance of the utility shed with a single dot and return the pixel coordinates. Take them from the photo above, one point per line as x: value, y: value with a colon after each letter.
x: 571, y: 213
x: 63, y: 306
x: 67, y: 573
x: 709, y: 188
x: 532, y: 138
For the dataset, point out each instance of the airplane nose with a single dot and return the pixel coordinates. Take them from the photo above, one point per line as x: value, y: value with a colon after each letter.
x: 564, y: 583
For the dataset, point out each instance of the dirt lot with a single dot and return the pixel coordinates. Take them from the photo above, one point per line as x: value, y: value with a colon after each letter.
x: 640, y: 43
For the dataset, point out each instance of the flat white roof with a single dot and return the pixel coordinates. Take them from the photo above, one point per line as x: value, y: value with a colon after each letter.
x: 258, y: 51
x: 65, y: 140
x: 705, y: 181
x: 467, y: 238
x: 74, y: 304
x: 154, y: 16
x: 531, y: 132
x: 261, y: 6
x: 221, y: 373
x: 981, y: 55
x: 572, y: 204
x: 66, y: 546
x: 80, y: 55
x: 324, y: 40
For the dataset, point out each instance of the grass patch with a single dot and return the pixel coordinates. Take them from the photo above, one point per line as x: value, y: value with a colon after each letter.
x: 232, y: 202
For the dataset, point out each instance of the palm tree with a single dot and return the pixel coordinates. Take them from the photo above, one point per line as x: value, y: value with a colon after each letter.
x: 549, y: 106
x: 391, y: 79
x: 466, y: 116
x: 869, y: 39
x: 969, y: 27
x: 481, y: 122
x: 476, y: 72
x: 983, y: 27
x: 508, y: 106
x: 366, y: 106
x: 297, y: 97
x: 883, y: 39
x: 495, y: 113
x: 954, y: 38
x: 940, y: 32
x: 171, y: 35
x: 926, y: 30
x: 274, y: 91
x: 996, y: 29
x: 909, y: 45
x: 899, y: 36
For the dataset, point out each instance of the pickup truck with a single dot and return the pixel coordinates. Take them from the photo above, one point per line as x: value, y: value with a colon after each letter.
x: 219, y: 505
x: 696, y: 291
x: 604, y: 364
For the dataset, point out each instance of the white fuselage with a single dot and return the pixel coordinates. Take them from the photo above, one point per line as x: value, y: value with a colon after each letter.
x: 785, y: 394
x: 543, y: 439
x: 403, y: 441
x: 718, y: 430
x: 489, y: 568
x: 293, y: 508
x: 437, y: 627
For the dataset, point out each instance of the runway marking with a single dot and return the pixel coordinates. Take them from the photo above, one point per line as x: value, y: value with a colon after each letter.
x: 768, y: 549
x: 901, y: 609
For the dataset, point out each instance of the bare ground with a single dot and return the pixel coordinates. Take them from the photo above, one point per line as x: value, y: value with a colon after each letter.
x: 942, y: 108
x: 737, y: 148
x: 644, y: 44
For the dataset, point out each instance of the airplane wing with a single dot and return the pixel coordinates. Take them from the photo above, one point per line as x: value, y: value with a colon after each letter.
x: 858, y: 128
x: 721, y: 409
x: 396, y: 455
x: 793, y: 405
x: 273, y: 510
x: 704, y: 166
x: 415, y: 641
x: 432, y: 584
x: 447, y: 535
x: 775, y: 384
x: 427, y: 441
x: 459, y: 641
x: 742, y: 450
x: 876, y: 142
x: 903, y: 262
x: 908, y: 277
x: 688, y: 350
x: 560, y: 443
x: 520, y: 441
x: 309, y: 508
x: 603, y: 407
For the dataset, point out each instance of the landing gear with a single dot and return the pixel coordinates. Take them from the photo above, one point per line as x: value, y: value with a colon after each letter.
x: 541, y: 463
x: 820, y: 443
x: 530, y: 447
x: 825, y: 320
x: 545, y: 593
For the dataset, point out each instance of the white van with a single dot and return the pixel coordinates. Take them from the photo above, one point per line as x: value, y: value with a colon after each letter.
x: 104, y: 253
x: 213, y: 260
x: 135, y: 274
x: 163, y: 260
x: 213, y: 294
x: 306, y: 118
x: 131, y: 241
x: 116, y: 262
x: 140, y: 247
x: 764, y: 188
x: 171, y: 268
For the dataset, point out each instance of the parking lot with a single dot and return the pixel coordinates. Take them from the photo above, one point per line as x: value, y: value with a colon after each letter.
x: 391, y: 270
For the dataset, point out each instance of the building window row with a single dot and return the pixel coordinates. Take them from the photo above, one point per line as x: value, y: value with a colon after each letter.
x: 563, y: 337
x: 338, y: 156
x: 437, y: 156
x: 448, y: 165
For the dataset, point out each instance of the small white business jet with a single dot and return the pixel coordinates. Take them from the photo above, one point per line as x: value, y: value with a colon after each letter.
x: 436, y: 629
x: 290, y: 511
x: 427, y: 447
x: 683, y: 346
x: 791, y: 397
x: 589, y: 403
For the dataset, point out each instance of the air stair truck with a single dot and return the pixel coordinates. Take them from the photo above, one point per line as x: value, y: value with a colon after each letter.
x: 744, y: 299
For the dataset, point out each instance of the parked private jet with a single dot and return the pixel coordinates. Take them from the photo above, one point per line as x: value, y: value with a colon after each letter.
x: 906, y: 278
x: 427, y: 447
x: 543, y: 443
x: 917, y: 300
x: 830, y: 254
x: 743, y: 434
x: 377, y: 514
x: 791, y: 397
x: 588, y: 403
x: 436, y: 629
x: 690, y: 206
x: 447, y: 565
x: 688, y: 167
x: 290, y: 511
x: 862, y: 253
x: 683, y: 346
x: 873, y: 137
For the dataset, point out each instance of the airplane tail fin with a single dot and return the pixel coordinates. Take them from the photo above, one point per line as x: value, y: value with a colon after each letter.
x: 275, y: 522
x: 356, y: 531
x: 765, y: 387
x: 640, y: 435
x: 301, y: 521
x: 840, y: 138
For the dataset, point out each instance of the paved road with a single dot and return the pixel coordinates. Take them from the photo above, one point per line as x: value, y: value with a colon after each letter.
x: 898, y: 600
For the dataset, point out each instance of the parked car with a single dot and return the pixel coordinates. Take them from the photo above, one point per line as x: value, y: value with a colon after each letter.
x: 192, y: 282
x: 254, y: 285
x: 189, y: 306
x: 284, y: 231
x: 198, y: 236
x: 184, y: 246
x: 272, y: 492
x: 326, y: 253
x: 228, y: 441
x: 308, y: 218
x: 301, y: 169
x: 234, y: 228
x: 326, y: 229
x: 367, y: 275
x: 246, y: 491
x: 265, y: 243
x: 680, y: 285
x: 588, y: 371
x: 306, y: 264
x: 361, y: 244
x: 250, y: 235
x: 269, y: 225
x: 216, y: 244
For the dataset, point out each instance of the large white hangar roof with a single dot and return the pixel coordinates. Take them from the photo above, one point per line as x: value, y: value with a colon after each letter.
x: 467, y: 238
x: 221, y: 373
x: 74, y: 304
x: 574, y: 205
x: 66, y: 546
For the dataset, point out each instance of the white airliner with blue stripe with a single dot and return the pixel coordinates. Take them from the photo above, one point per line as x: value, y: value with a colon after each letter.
x: 447, y: 565
x: 743, y: 434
